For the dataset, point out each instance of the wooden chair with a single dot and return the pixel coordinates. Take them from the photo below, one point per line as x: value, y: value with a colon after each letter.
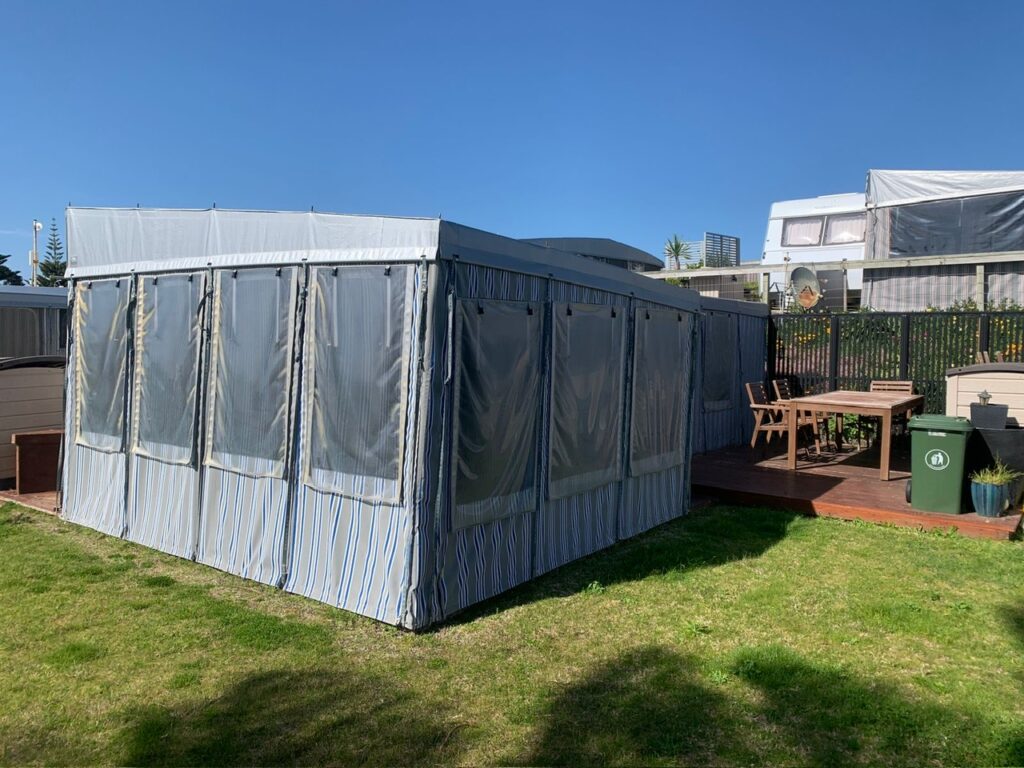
x: 784, y: 392
x: 771, y: 417
x: 902, y: 387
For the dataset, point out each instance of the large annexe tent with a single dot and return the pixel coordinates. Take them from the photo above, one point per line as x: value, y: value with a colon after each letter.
x: 399, y: 417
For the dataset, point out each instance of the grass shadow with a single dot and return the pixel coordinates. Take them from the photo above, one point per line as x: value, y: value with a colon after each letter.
x: 655, y: 706
x: 323, y: 716
x: 703, y: 539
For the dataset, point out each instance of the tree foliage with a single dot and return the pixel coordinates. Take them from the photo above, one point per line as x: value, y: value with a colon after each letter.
x: 53, y: 266
x: 676, y: 252
x: 9, y: 276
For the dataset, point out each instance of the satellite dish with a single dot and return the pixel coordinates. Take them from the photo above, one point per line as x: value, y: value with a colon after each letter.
x: 804, y: 286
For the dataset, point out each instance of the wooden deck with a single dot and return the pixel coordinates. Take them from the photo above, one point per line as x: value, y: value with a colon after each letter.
x: 836, y: 485
x: 45, y: 501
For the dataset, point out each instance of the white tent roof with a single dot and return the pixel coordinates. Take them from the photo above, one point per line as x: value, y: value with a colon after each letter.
x: 118, y: 241
x: 886, y: 188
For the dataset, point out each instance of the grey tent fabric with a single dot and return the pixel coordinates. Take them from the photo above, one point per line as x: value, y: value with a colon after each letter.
x: 101, y: 317
x: 497, y: 401
x: 719, y: 361
x: 903, y: 187
x: 167, y: 342
x: 358, y: 339
x: 660, y: 363
x: 588, y: 368
x: 253, y: 332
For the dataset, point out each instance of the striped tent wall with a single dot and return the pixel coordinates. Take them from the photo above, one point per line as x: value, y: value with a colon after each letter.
x: 349, y: 552
x: 481, y: 561
x: 658, y: 497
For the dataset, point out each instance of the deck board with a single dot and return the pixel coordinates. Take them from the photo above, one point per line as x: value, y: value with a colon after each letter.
x: 844, y: 486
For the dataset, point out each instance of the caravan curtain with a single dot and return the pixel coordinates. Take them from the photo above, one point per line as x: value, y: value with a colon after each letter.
x: 497, y: 397
x: 661, y: 365
x: 845, y: 228
x: 168, y: 330
x: 101, y: 330
x: 587, y: 372
x: 797, y: 232
x: 252, y: 337
x: 358, y: 340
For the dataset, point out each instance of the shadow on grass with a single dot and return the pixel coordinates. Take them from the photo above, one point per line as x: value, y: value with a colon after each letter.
x: 703, y: 539
x: 326, y: 716
x: 653, y: 706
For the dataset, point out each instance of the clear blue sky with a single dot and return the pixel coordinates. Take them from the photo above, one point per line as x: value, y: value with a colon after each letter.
x: 625, y: 120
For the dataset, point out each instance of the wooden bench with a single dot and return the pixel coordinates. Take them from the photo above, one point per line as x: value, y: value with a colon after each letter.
x: 36, y: 457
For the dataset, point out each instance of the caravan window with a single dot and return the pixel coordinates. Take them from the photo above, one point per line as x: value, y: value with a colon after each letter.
x: 101, y: 331
x: 588, y: 363
x: 661, y: 371
x: 253, y: 315
x: 803, y: 231
x: 168, y: 328
x: 845, y: 228
x: 497, y: 397
x: 358, y: 365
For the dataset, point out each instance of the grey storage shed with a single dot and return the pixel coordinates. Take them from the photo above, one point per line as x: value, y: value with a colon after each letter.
x: 731, y: 350
x: 399, y: 417
x: 33, y: 321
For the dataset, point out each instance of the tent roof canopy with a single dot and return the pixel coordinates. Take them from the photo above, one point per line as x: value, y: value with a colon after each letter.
x: 601, y: 247
x: 117, y: 241
x: 885, y: 188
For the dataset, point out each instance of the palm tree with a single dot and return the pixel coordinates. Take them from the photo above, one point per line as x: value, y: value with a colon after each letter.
x: 676, y: 252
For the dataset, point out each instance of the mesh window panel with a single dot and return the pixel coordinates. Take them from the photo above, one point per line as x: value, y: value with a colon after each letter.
x: 253, y: 317
x: 497, y: 396
x: 588, y: 366
x: 661, y: 365
x: 721, y: 342
x: 101, y: 328
x: 359, y: 343
x: 168, y: 328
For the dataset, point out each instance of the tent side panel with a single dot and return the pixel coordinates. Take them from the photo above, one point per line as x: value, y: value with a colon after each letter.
x: 753, y: 368
x: 163, y: 506
x: 657, y: 497
x: 479, y: 561
x: 353, y: 552
x: 574, y: 526
x: 94, y: 479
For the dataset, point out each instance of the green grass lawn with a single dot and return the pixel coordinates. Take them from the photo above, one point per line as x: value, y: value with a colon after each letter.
x: 736, y: 636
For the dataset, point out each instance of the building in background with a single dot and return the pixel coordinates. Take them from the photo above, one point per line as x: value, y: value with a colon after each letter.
x: 715, y: 250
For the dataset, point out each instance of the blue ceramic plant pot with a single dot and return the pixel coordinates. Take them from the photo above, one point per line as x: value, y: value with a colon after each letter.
x: 991, y: 500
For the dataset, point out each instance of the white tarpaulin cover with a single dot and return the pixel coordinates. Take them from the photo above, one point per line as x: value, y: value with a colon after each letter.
x: 901, y: 187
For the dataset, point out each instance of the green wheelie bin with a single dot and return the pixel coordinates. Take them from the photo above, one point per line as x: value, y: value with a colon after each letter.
x: 938, y: 449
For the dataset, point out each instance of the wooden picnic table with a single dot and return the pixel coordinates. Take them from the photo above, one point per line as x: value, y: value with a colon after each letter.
x: 883, y: 405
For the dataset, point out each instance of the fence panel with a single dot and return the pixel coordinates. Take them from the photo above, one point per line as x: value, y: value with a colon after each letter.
x: 820, y: 352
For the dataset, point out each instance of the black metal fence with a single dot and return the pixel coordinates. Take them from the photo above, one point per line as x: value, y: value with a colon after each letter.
x: 822, y: 352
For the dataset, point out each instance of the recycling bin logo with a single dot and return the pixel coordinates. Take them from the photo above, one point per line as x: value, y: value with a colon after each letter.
x: 936, y: 459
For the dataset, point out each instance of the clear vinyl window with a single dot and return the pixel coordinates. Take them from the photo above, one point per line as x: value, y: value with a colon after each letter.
x: 252, y: 340
x: 588, y: 366
x: 721, y: 340
x: 497, y: 397
x: 101, y: 331
x: 168, y: 328
x: 661, y: 383
x: 358, y: 365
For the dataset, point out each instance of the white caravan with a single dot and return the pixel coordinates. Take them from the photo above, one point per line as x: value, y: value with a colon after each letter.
x: 818, y: 229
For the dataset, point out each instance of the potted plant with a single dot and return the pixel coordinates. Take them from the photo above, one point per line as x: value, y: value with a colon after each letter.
x: 995, y: 488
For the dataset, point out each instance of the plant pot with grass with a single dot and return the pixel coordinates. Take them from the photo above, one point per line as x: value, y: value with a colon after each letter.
x: 994, y: 489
